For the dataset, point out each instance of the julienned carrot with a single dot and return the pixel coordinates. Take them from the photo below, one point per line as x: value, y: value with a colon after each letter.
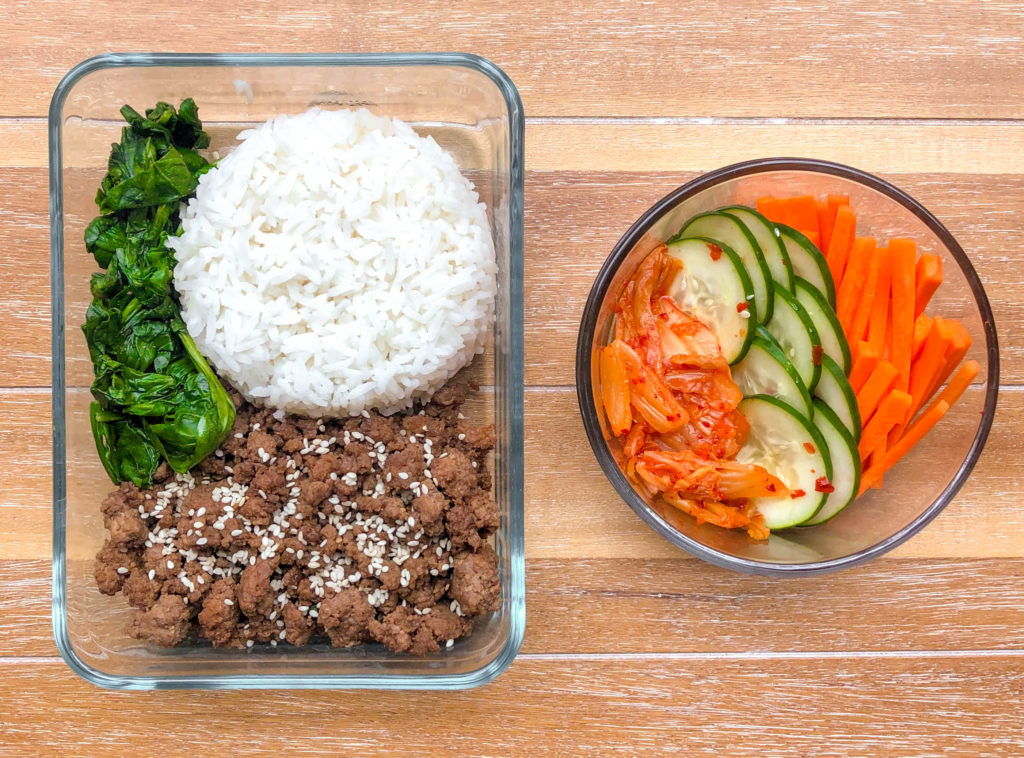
x: 913, y: 435
x: 840, y: 242
x: 960, y: 382
x: 890, y: 411
x: 903, y: 253
x: 928, y: 277
x: 880, y: 303
x: 851, y: 289
x: 802, y: 213
x: 922, y: 326
x: 770, y: 207
x: 928, y: 365
x: 863, y: 309
x: 814, y: 238
x: 959, y: 345
x: 827, y: 217
x: 874, y: 389
x: 865, y: 358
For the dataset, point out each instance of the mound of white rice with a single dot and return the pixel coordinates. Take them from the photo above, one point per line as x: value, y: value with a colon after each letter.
x: 336, y: 261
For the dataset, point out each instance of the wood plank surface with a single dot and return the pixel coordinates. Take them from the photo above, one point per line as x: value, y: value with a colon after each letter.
x: 605, y: 58
x: 553, y: 705
x: 632, y: 646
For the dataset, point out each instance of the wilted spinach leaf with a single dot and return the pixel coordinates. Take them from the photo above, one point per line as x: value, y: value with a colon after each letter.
x: 156, y: 397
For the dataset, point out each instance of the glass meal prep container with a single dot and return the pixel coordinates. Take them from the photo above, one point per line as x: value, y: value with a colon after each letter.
x: 472, y: 109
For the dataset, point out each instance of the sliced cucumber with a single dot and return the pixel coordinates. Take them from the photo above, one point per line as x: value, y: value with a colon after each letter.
x: 842, y: 450
x: 835, y: 391
x: 767, y: 371
x: 729, y: 230
x: 714, y: 287
x: 789, y: 446
x: 770, y: 242
x: 808, y: 262
x: 830, y: 332
x: 793, y: 329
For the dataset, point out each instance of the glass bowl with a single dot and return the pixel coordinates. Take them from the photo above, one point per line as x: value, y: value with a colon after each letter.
x: 921, y: 484
x: 472, y: 109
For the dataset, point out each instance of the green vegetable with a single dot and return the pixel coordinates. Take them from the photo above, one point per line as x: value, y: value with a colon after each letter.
x: 156, y: 397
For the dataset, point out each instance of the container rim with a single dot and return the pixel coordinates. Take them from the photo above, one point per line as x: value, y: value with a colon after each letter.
x: 515, y: 590
x: 585, y: 390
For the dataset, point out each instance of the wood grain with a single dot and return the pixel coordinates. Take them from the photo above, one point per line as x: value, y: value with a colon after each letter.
x: 820, y: 705
x: 572, y: 511
x: 897, y: 59
x: 591, y: 606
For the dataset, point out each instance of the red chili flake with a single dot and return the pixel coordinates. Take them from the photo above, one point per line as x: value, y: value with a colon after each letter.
x: 823, y: 485
x: 771, y: 487
x: 816, y: 354
x: 716, y: 251
x: 797, y: 493
x: 809, y: 448
x: 740, y: 307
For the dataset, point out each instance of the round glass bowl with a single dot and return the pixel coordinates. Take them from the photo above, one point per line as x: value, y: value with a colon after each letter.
x: 921, y: 484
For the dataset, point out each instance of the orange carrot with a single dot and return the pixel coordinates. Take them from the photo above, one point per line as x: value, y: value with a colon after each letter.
x: 902, y: 252
x: 802, y: 213
x: 877, y: 385
x: 960, y: 382
x: 890, y: 411
x: 814, y: 238
x: 922, y: 326
x: 928, y: 277
x: 863, y: 309
x: 880, y: 303
x: 865, y: 358
x: 851, y: 289
x: 827, y: 217
x: 928, y: 365
x: 960, y: 343
x: 770, y: 208
x: 913, y: 435
x: 841, y: 241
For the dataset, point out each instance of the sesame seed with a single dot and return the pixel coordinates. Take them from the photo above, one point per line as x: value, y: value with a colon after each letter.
x: 122, y: 570
x: 152, y: 574
x: 228, y: 601
x: 170, y: 565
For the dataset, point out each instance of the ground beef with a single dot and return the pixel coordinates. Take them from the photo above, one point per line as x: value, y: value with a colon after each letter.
x: 299, y: 531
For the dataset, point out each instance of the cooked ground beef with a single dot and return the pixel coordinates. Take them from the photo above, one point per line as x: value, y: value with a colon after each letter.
x: 299, y: 530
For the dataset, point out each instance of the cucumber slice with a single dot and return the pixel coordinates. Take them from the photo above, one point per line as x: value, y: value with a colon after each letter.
x: 794, y: 330
x: 711, y: 287
x: 770, y: 242
x: 790, y: 447
x: 808, y: 262
x: 835, y: 391
x: 767, y: 371
x: 727, y: 229
x: 845, y: 463
x: 830, y: 332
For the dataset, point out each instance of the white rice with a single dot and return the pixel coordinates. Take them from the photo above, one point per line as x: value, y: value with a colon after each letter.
x: 336, y: 261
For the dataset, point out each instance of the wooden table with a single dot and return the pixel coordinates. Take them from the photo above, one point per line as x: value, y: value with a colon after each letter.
x: 632, y: 646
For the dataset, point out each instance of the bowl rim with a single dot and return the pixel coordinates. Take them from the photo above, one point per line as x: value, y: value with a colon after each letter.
x: 585, y: 393
x: 515, y: 589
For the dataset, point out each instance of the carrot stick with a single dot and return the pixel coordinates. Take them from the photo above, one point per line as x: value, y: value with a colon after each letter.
x: 880, y: 303
x: 852, y: 286
x: 960, y: 344
x: 960, y: 382
x: 890, y: 411
x: 827, y: 217
x: 802, y: 213
x: 913, y: 435
x: 902, y: 253
x: 814, y: 237
x: 877, y: 385
x: 922, y: 326
x: 865, y: 359
x: 841, y: 241
x: 927, y: 367
x: 770, y: 208
x: 928, y: 277
x: 863, y: 309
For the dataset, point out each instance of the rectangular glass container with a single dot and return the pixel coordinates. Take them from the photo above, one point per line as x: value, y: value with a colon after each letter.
x: 472, y: 109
